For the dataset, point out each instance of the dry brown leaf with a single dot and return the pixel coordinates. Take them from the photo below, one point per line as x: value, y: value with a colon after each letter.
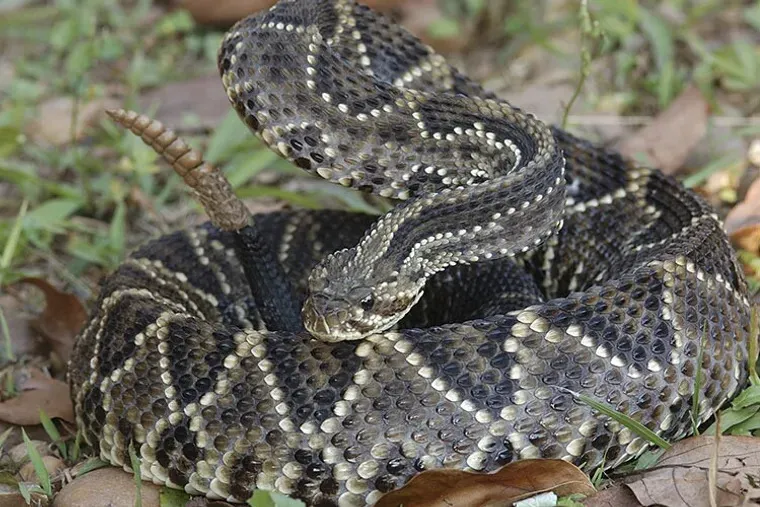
x: 743, y: 221
x: 53, y: 121
x: 23, y: 340
x: 668, y: 140
x: 38, y: 392
x: 618, y: 495
x: 34, y: 432
x: 62, y: 319
x: 514, y: 482
x: 19, y: 453
x: 52, y: 464
x: 680, y: 478
x: 106, y: 486
x: 10, y: 496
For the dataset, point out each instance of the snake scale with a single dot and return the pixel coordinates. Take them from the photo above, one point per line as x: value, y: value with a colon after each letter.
x: 551, y: 268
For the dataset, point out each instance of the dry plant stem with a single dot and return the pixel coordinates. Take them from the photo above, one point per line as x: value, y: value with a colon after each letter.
x: 266, y: 277
x: 712, y: 472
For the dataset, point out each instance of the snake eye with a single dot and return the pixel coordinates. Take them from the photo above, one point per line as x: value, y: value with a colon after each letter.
x: 368, y: 303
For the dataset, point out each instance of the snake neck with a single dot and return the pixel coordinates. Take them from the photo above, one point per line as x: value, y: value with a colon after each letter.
x: 367, y: 289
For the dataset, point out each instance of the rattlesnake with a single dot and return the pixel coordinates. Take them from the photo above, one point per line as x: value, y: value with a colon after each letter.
x: 551, y: 268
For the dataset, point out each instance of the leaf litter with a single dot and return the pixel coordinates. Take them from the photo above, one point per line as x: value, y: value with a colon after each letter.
x: 673, y: 134
x: 743, y: 221
x: 682, y: 476
x: 37, y: 391
x: 62, y: 318
x: 513, y: 482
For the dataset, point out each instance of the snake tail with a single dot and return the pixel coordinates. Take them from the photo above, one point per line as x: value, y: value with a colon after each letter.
x: 267, y: 280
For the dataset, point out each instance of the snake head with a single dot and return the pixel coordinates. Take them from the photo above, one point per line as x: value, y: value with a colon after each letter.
x: 350, y: 301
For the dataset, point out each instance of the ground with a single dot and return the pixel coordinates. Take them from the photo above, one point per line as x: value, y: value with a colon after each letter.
x: 674, y: 84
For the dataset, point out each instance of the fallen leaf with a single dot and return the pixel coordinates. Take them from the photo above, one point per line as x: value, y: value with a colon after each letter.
x: 35, y: 432
x: 743, y: 221
x: 38, y: 392
x: 23, y: 340
x: 618, y: 495
x: 53, y: 465
x: 53, y: 123
x: 19, y: 453
x: 106, y: 486
x: 10, y: 496
x: 61, y: 320
x: 668, y: 140
x: 680, y: 478
x: 518, y: 480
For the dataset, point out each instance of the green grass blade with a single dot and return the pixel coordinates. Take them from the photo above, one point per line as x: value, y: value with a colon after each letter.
x: 732, y: 417
x: 39, y: 465
x: 750, y: 396
x: 10, y: 246
x: 745, y: 427
x: 623, y: 419
x: 648, y: 459
x: 169, y: 497
x: 76, y: 448
x: 726, y: 162
x: 697, y: 387
x: 8, y: 354
x: 53, y: 433
x: 4, y: 436
x: 135, y: 460
x: 754, y: 329
x: 262, y: 498
x: 25, y: 493
x: 90, y: 465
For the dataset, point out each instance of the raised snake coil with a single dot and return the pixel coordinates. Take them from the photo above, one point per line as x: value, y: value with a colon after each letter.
x: 620, y: 304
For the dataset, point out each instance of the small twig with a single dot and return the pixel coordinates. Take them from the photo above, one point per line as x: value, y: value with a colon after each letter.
x: 712, y: 472
x: 589, y: 31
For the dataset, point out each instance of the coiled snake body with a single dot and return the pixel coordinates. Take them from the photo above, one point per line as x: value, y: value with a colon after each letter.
x: 550, y: 268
